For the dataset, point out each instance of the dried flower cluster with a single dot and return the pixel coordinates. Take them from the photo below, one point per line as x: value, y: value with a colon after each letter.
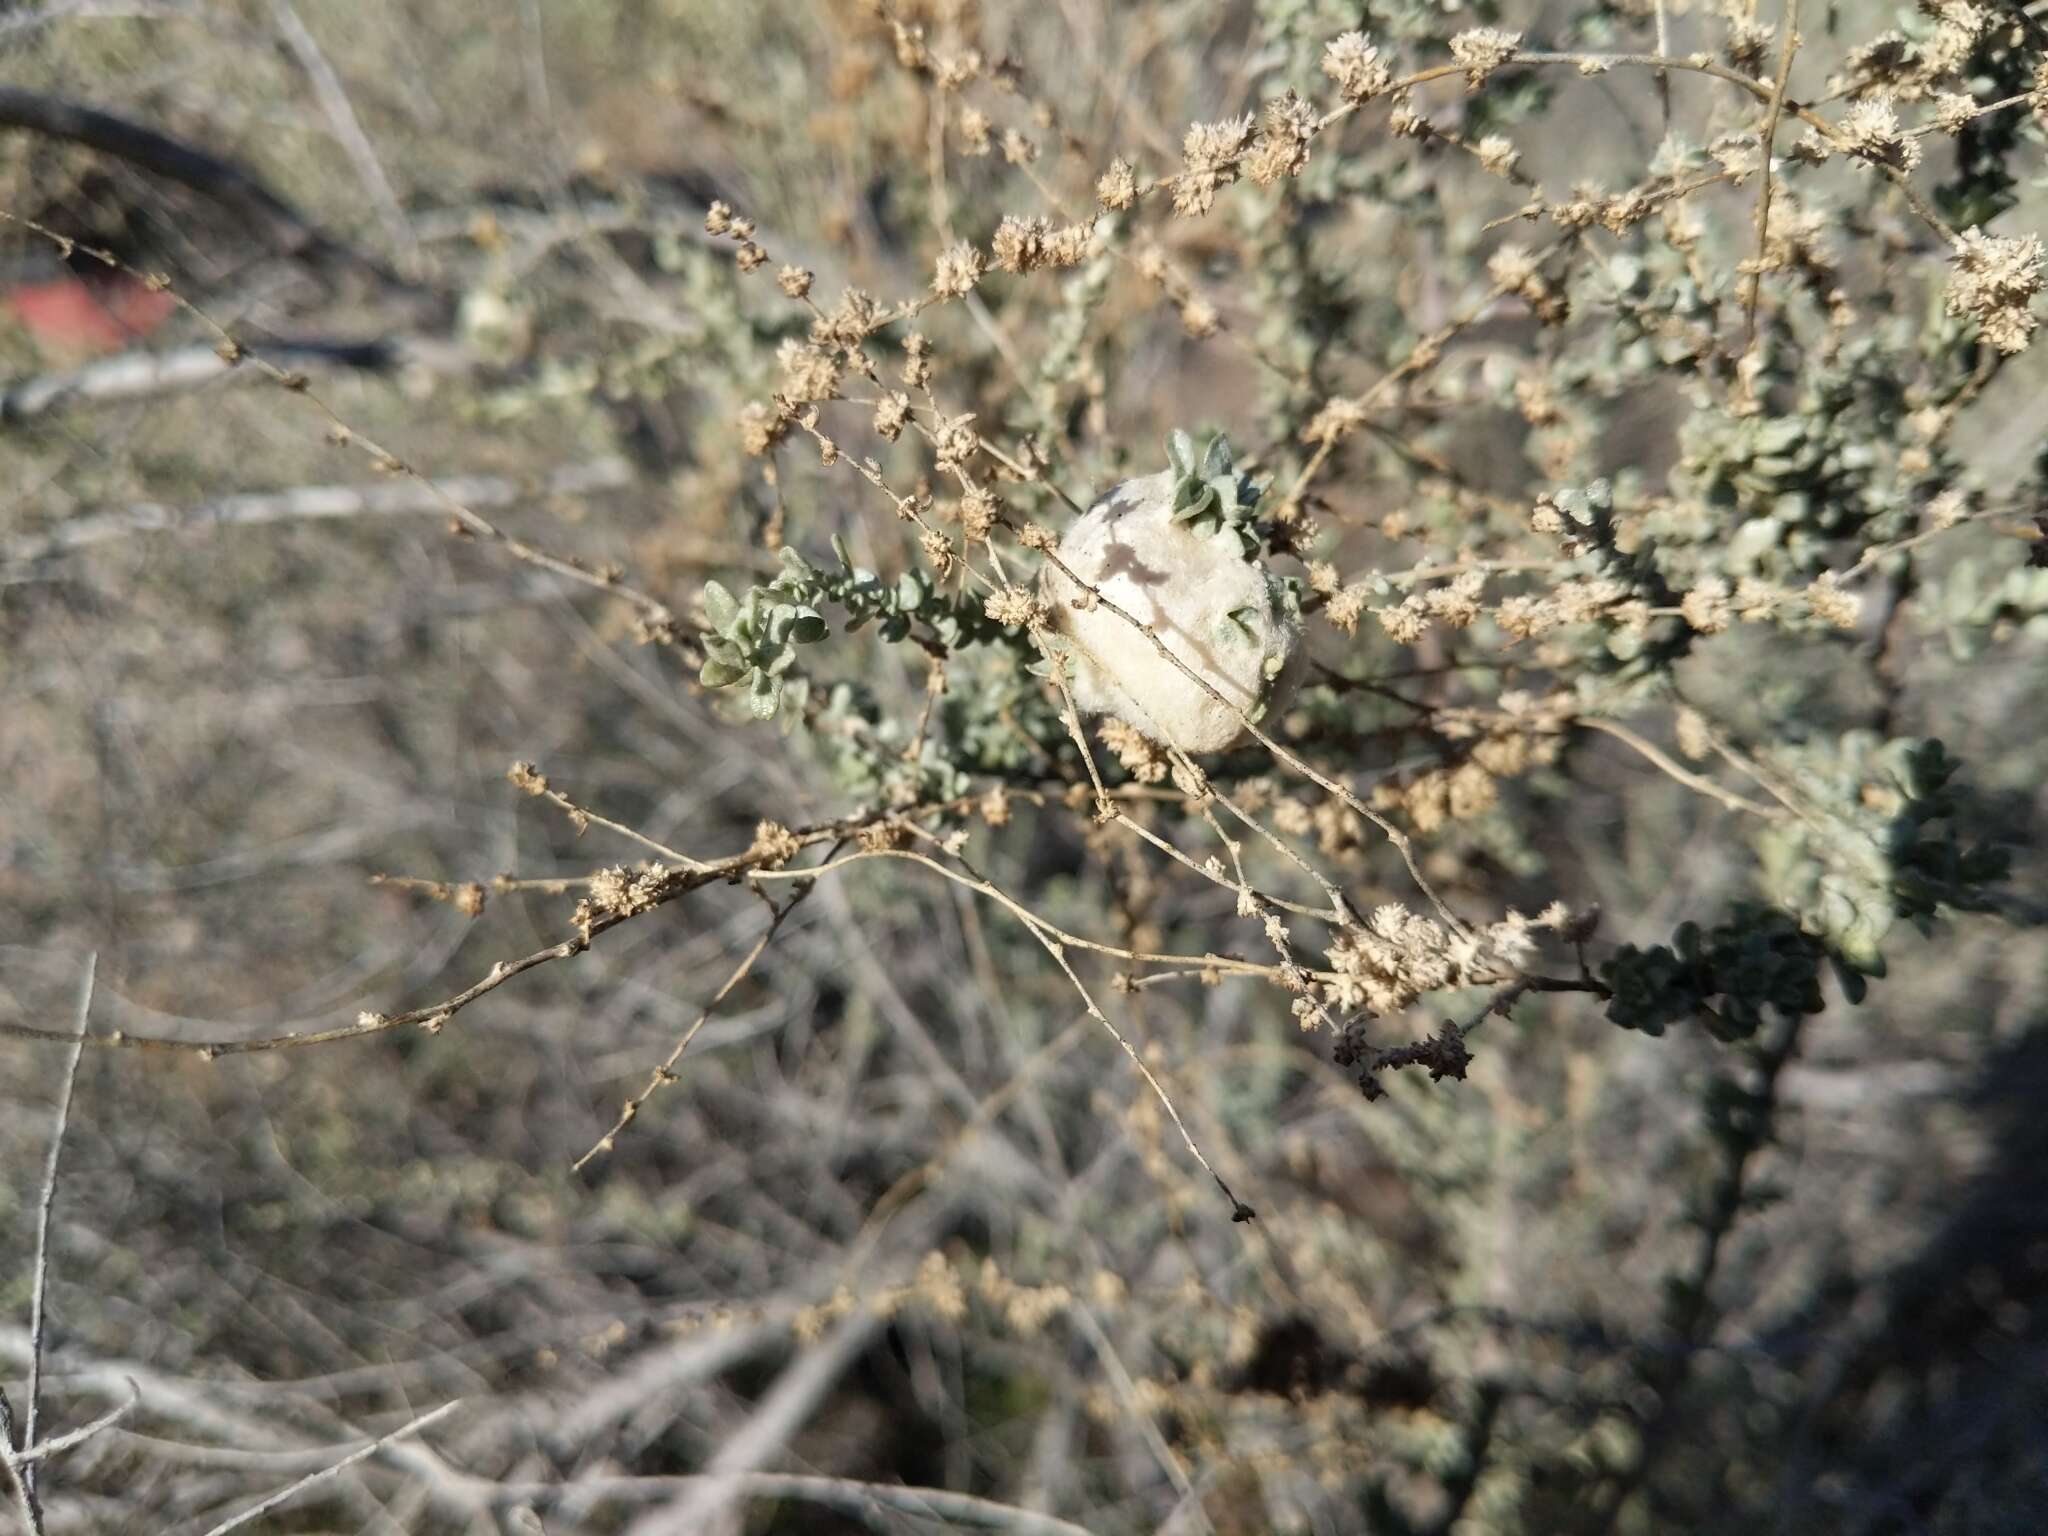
x: 1994, y: 283
x: 1482, y: 50
x: 1356, y: 67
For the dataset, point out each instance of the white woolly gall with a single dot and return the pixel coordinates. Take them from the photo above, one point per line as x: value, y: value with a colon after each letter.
x: 1227, y: 618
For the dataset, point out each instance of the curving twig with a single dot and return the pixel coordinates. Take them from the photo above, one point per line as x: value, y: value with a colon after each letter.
x: 49, y: 1450
x: 285, y: 1495
x: 665, y: 1073
x: 1677, y: 770
x: 38, y: 1313
x: 1770, y: 134
x: 657, y: 622
x: 348, y: 128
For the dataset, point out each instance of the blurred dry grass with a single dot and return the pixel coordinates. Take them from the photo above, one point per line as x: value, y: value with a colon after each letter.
x: 210, y: 740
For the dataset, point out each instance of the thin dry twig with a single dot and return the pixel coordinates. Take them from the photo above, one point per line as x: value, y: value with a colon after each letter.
x: 17, y: 1471
x: 1054, y: 941
x: 38, y: 1314
x: 657, y: 621
x: 348, y: 128
x: 434, y: 1016
x: 1770, y: 135
x: 664, y: 1074
x: 1677, y: 770
x: 314, y: 1479
x: 49, y: 1450
x: 146, y: 373
x: 535, y: 783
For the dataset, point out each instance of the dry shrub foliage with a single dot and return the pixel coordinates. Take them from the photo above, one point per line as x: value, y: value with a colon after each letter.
x: 1631, y: 432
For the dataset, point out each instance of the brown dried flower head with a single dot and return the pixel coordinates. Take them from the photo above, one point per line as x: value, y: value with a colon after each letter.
x: 1482, y: 50
x: 960, y: 266
x: 1357, y: 67
x: 1993, y: 281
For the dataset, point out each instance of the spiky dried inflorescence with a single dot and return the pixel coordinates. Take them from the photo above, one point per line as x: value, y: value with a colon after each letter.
x: 960, y: 266
x: 1396, y: 956
x: 1136, y: 753
x: 1282, y: 146
x: 1953, y: 110
x: 1357, y: 67
x: 1497, y: 154
x: 1993, y: 281
x: 809, y: 373
x: 1389, y: 961
x: 617, y: 892
x: 1831, y: 604
x: 1026, y: 244
x: 1211, y: 153
x: 976, y: 131
x: 1482, y: 50
x: 1014, y: 605
x: 775, y: 844
x: 1117, y: 188
x: 761, y: 428
x: 1871, y: 129
x: 1889, y: 64
x: 1748, y: 45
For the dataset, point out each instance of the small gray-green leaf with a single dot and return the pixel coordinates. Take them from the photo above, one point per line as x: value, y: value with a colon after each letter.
x: 719, y: 606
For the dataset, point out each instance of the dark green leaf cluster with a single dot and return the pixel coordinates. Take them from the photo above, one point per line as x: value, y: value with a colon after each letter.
x: 1935, y: 868
x: 1725, y: 977
x: 1824, y: 447
x: 1590, y: 508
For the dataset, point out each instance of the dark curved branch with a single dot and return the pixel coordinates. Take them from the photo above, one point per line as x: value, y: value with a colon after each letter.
x: 269, y: 216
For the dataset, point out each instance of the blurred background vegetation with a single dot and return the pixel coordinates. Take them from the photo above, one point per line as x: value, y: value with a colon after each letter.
x: 908, y: 1226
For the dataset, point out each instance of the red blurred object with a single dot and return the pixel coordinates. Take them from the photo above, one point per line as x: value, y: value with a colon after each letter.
x: 73, y: 315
